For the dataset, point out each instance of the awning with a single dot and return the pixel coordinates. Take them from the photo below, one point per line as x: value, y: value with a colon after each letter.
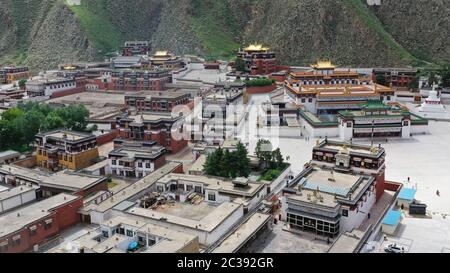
x: 368, y: 160
x: 319, y: 153
x: 4, y: 243
x: 33, y: 228
x: 49, y: 221
x: 357, y: 159
x: 17, y: 237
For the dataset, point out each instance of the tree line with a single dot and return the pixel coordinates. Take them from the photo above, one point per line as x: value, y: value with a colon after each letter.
x: 224, y: 163
x: 19, y: 125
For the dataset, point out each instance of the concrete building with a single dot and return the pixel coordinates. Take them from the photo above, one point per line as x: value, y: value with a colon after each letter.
x: 99, y: 213
x: 136, y: 161
x: 131, y: 235
x: 8, y: 157
x: 395, y: 77
x: 379, y: 120
x: 122, y: 62
x: 354, y: 158
x: 50, y: 86
x: 52, y: 184
x: 327, y: 202
x: 133, y: 48
x: 157, y: 101
x: 166, y: 60
x: 215, y: 222
x: 258, y: 60
x: 65, y: 149
x: 11, y: 74
x: 215, y: 190
x: 148, y: 128
x: 325, y: 91
x: 245, y: 234
x: 340, y: 190
x: 24, y: 229
x: 406, y: 197
x: 222, y: 113
x: 16, y: 197
x: 391, y: 222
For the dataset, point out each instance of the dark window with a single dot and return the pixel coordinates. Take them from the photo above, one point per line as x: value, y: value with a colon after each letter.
x: 198, y: 189
x: 140, y: 164
x: 114, y: 162
x: 345, y: 213
x: 105, y: 233
x: 120, y: 230
x: 32, y: 232
x: 147, y: 165
x: 129, y: 233
x: 211, y: 197
x: 48, y: 225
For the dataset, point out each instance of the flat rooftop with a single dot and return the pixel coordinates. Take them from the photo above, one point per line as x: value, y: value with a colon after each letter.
x: 329, y: 188
x: 137, y: 187
x: 33, y: 175
x: 9, y: 153
x: 18, y: 219
x: 132, y: 153
x: 208, y: 223
x: 153, y: 117
x: 66, y: 135
x: 351, y: 148
x: 198, y: 164
x: 166, y: 94
x: 64, y: 180
x: 172, y: 242
x: 15, y: 191
x: 221, y: 185
x: 71, y: 181
x: 117, y: 98
x: 243, y: 233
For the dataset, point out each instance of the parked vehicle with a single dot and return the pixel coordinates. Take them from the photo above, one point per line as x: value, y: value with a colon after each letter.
x: 394, y: 248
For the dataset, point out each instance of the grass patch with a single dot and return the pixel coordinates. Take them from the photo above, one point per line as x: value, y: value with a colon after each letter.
x: 272, y: 174
x: 98, y: 25
x: 214, y: 27
x: 112, y: 184
x: 367, y: 16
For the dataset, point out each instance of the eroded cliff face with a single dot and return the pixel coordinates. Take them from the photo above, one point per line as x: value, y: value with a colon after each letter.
x: 44, y: 33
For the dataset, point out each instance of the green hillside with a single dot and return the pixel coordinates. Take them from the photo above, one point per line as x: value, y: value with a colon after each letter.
x: 363, y: 12
x: 98, y: 25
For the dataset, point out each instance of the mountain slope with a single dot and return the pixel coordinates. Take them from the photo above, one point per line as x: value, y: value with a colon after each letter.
x: 399, y: 32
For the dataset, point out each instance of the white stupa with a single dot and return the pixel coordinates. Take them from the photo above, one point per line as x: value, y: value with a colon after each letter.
x: 433, y: 103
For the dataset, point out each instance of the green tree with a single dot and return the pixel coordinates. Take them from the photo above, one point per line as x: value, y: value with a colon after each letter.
x: 52, y: 121
x: 240, y: 64
x: 242, y: 160
x: 76, y: 117
x: 445, y: 75
x: 227, y: 165
x: 277, y: 158
x: 22, y: 83
x: 210, y: 167
x: 264, y: 152
x: 11, y: 114
x: 31, y: 124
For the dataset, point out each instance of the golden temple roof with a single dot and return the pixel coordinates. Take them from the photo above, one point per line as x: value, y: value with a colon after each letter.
x: 161, y: 53
x: 323, y: 64
x: 256, y: 47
